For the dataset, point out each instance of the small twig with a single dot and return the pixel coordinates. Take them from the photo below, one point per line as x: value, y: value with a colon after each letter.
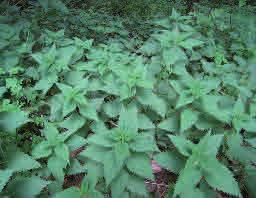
x: 114, y: 124
x: 154, y: 183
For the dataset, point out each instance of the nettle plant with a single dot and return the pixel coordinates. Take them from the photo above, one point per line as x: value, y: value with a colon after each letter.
x: 104, y: 108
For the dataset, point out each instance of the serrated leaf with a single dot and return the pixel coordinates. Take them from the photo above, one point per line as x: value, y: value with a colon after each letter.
x: 41, y: 150
x: 140, y: 164
x: 210, y: 144
x: 190, y: 43
x: 170, y: 124
x: 95, y: 153
x: 100, y: 140
x: 89, y: 112
x: 222, y: 179
x: 188, y: 179
x: 136, y: 185
x: 56, y: 166
x: 171, y: 160
x: 121, y: 153
x: 144, y: 122
x: 26, y: 187
x: 148, y: 98
x: 119, y: 184
x: 18, y: 161
x: 173, y: 55
x: 67, y: 193
x: 112, y: 167
x: 73, y: 123
x: 144, y: 143
x: 113, y: 108
x: 51, y: 133
x: 75, y: 142
x: 5, y: 175
x: 183, y: 145
x: 62, y: 152
x: 10, y: 121
x: 128, y: 120
x: 187, y: 119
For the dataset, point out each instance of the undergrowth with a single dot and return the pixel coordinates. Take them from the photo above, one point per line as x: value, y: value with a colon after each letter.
x: 89, y: 91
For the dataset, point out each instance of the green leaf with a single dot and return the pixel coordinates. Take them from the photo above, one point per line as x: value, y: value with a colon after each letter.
x: 119, y: 184
x: 112, y: 167
x: 68, y: 107
x: 10, y: 121
x: 188, y: 179
x: 144, y: 143
x: 184, y: 99
x: 89, y: 112
x: 190, y: 43
x: 148, y: 98
x: 62, y: 151
x: 222, y: 179
x: 73, y: 123
x: 140, y: 164
x: 237, y: 151
x: 136, y: 185
x: 56, y: 166
x: 170, y: 124
x: 128, y: 120
x: 100, y: 140
x: 170, y: 160
x: 5, y: 175
x: 183, y: 145
x: 121, y: 152
x: 26, y: 187
x: 18, y: 161
x: 51, y: 133
x: 67, y: 193
x: 173, y: 55
x: 41, y: 150
x: 95, y: 153
x: 144, y: 122
x: 75, y: 142
x: 188, y: 118
x: 210, y: 144
x: 112, y: 109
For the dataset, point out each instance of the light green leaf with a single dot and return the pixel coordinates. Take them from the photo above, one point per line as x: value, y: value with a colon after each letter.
x: 113, y: 108
x: 41, y: 150
x: 55, y: 166
x: 26, y: 187
x: 62, y: 152
x: 88, y: 112
x: 170, y: 124
x: 222, y: 179
x: 10, y: 121
x: 67, y: 193
x: 183, y: 145
x: 73, y: 123
x: 148, y: 98
x: 144, y: 122
x: 140, y: 164
x: 4, y: 178
x: 51, y: 133
x: 136, y: 185
x: 128, y: 120
x: 119, y: 184
x: 18, y: 161
x: 171, y: 160
x: 144, y: 143
x: 173, y: 55
x: 188, y: 117
x: 191, y: 43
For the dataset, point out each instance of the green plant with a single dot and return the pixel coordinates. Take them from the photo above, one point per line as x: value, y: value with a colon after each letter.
x: 86, y: 94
